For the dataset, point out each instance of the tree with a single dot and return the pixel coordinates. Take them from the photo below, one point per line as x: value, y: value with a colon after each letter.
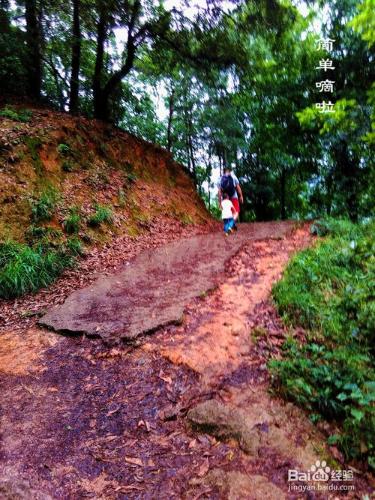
x: 76, y: 58
x: 33, y: 39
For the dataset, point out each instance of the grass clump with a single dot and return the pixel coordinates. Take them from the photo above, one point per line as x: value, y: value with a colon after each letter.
x: 38, y: 233
x: 44, y: 207
x: 72, y: 222
x: 34, y: 144
x: 74, y: 246
x: 67, y: 166
x: 130, y: 179
x: 103, y: 214
x: 64, y: 149
x: 21, y: 115
x: 329, y: 290
x: 25, y: 268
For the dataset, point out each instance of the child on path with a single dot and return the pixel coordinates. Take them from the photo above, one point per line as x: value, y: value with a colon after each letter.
x: 228, y: 214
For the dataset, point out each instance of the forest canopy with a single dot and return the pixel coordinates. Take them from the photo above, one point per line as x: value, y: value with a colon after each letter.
x: 237, y: 83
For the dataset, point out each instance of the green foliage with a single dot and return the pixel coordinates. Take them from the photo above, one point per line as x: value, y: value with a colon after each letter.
x: 72, y: 222
x: 67, y: 166
x: 102, y: 214
x: 329, y: 290
x: 36, y: 233
x: 64, y: 149
x: 34, y: 144
x: 364, y: 21
x: 20, y: 115
x: 130, y: 178
x: 25, y: 269
x: 335, y: 227
x: 44, y: 207
x: 13, y: 67
x: 74, y: 246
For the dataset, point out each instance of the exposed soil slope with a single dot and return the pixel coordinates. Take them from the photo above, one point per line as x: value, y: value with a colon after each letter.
x: 89, y: 162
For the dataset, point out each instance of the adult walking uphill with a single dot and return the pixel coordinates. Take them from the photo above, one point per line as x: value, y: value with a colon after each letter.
x: 230, y: 185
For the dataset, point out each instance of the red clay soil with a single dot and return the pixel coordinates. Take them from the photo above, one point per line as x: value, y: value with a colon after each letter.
x: 81, y: 420
x: 154, y: 288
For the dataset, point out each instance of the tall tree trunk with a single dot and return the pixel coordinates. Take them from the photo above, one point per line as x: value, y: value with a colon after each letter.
x: 76, y: 58
x: 170, y: 119
x: 4, y: 16
x: 329, y: 187
x: 102, y: 93
x: 349, y: 178
x: 33, y: 39
x: 282, y: 194
x: 101, y: 34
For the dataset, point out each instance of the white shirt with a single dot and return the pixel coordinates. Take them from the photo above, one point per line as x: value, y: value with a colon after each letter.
x: 226, y: 209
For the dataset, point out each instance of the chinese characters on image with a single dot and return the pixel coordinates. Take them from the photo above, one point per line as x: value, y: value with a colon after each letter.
x: 326, y: 85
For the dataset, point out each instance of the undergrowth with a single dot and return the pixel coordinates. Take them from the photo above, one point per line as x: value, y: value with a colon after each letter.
x: 20, y: 115
x: 25, y: 268
x: 102, y: 214
x: 329, y: 290
x: 72, y: 222
x: 43, y: 208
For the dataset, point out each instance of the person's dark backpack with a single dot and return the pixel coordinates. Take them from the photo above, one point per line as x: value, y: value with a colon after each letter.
x: 227, y: 185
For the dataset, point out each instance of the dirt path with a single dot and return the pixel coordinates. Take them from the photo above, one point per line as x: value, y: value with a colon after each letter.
x: 154, y: 288
x: 185, y: 413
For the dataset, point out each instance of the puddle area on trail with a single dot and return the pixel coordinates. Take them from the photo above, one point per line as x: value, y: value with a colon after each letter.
x: 186, y: 414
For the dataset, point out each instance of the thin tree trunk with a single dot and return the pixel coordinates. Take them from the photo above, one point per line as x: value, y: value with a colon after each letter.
x: 76, y: 58
x: 170, y: 119
x: 4, y: 17
x: 101, y: 35
x: 33, y: 40
x: 282, y: 194
x: 102, y: 93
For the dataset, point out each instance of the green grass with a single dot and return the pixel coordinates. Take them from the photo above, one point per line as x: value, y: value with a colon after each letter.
x: 67, y: 166
x: 329, y: 290
x: 21, y: 115
x: 64, y: 149
x: 25, y: 269
x: 35, y: 234
x: 102, y: 214
x: 72, y: 222
x: 43, y: 208
x: 34, y: 144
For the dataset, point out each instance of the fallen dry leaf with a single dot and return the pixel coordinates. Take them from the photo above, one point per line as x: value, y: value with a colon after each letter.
x: 134, y: 461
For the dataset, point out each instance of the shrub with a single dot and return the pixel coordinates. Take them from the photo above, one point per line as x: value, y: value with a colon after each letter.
x: 130, y: 179
x: 335, y: 227
x: 102, y: 214
x: 34, y: 144
x: 25, y: 269
x: 74, y: 246
x: 37, y: 233
x: 21, y: 115
x: 67, y: 166
x: 64, y: 149
x: 329, y: 290
x: 72, y: 223
x: 43, y: 208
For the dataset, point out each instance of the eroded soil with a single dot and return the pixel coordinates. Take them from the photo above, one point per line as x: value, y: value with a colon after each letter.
x: 185, y: 413
x: 153, y: 289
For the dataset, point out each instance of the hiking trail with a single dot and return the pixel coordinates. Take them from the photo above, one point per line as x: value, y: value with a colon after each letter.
x: 182, y: 408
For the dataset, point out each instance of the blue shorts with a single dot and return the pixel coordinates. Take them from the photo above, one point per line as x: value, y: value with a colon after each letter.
x: 228, y: 224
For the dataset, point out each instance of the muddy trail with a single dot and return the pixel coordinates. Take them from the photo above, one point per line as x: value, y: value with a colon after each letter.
x: 183, y: 411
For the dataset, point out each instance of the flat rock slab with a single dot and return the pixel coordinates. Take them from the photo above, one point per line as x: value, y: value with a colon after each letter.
x: 154, y: 288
